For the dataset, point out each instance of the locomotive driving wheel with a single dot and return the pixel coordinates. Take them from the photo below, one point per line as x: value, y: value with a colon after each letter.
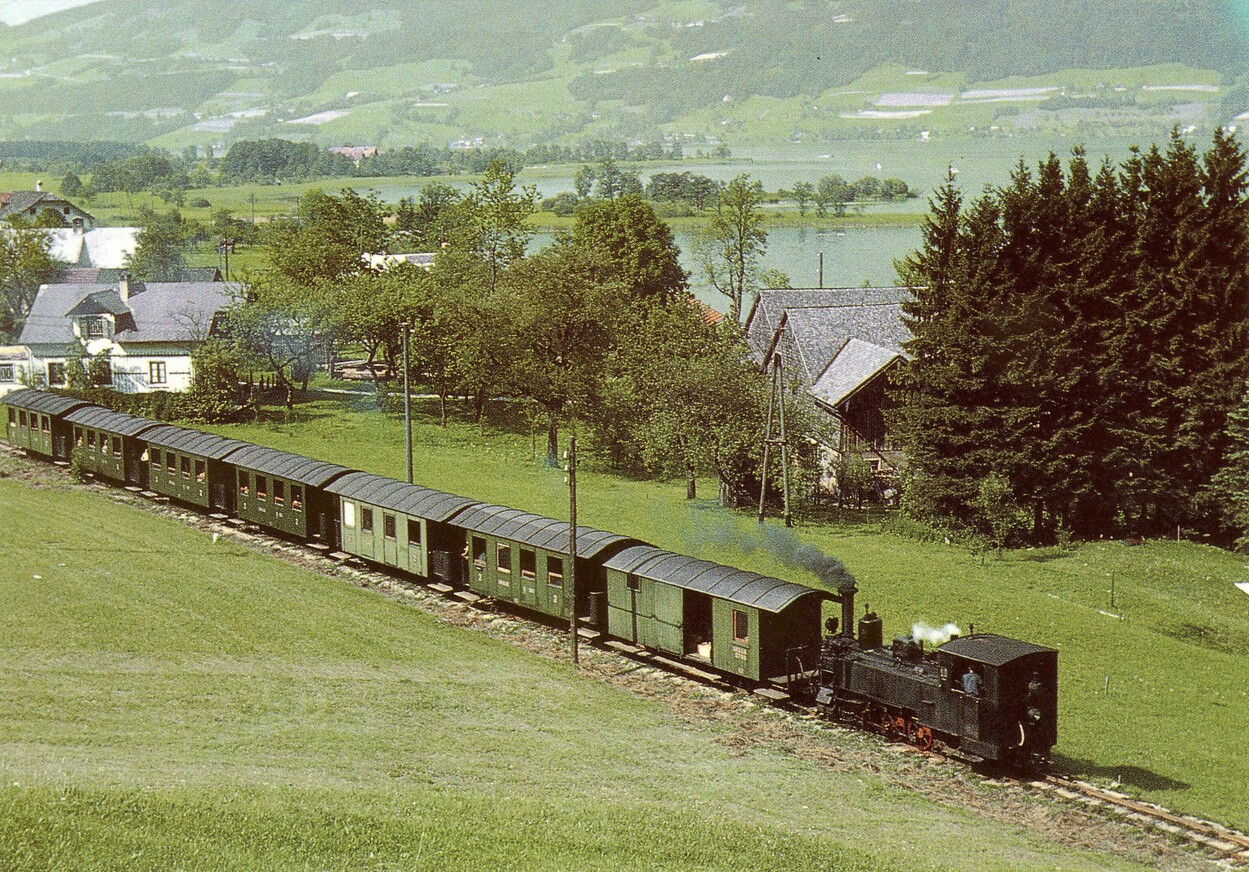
x: 923, y: 738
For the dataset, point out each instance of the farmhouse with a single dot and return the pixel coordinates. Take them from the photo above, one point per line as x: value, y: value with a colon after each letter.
x: 29, y: 205
x: 99, y: 248
x: 143, y: 333
x: 840, y: 346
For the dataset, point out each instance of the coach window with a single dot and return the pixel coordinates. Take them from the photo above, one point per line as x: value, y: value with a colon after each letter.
x: 171, y: 462
x: 388, y: 526
x: 279, y: 492
x: 77, y: 432
x: 349, y: 511
x: 90, y: 438
x: 47, y: 424
x: 528, y: 564
x: 503, y: 563
x: 366, y: 519
x: 479, y: 553
x: 13, y: 419
x: 186, y: 467
x: 200, y: 471
x: 155, y: 459
x: 244, y: 484
x: 262, y: 487
x: 117, y: 446
x: 555, y: 571
x: 414, y: 531
x: 297, y: 497
x: 741, y: 627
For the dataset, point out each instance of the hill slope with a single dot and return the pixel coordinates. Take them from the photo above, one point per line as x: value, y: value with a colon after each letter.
x: 181, y: 72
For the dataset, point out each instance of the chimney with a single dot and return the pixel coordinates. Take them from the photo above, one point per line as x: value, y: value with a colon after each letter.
x: 79, y: 227
x: 123, y: 287
x: 39, y: 185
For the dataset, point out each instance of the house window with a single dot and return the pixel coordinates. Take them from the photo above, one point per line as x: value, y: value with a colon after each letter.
x: 117, y: 446
x: 106, y: 372
x: 279, y: 492
x: 503, y: 563
x: 555, y: 571
x: 414, y: 531
x: 366, y: 520
x: 7, y: 373
x: 94, y: 328
x: 155, y: 458
x: 741, y: 627
x: 244, y: 484
x: 200, y: 471
x: 297, y: 497
x: 56, y: 373
x: 528, y: 565
x: 349, y: 511
x: 186, y: 467
x: 156, y: 373
x: 262, y: 487
x: 388, y: 526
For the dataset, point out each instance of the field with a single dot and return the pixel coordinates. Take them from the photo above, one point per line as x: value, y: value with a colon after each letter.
x: 1152, y: 694
x: 174, y: 702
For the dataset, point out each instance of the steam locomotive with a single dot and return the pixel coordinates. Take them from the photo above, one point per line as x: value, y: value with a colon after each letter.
x: 991, y: 696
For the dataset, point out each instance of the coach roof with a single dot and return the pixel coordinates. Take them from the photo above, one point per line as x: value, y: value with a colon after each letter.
x: 192, y: 442
x: 41, y: 401
x: 398, y: 496
x: 546, y: 533
x: 295, y: 467
x: 111, y: 422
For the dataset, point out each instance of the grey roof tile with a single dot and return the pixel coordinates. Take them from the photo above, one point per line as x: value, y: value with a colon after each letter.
x: 855, y: 364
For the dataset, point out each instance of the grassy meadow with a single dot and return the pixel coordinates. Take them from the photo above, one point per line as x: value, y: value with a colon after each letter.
x: 1153, y: 695
x: 171, y: 702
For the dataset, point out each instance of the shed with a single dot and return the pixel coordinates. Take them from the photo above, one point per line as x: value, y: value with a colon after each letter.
x: 737, y: 621
x: 35, y: 421
x: 187, y: 465
x: 399, y: 524
x: 286, y: 492
x: 521, y: 557
x: 112, y: 444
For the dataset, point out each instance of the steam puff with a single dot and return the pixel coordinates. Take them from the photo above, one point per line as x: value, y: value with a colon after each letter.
x: 934, y: 635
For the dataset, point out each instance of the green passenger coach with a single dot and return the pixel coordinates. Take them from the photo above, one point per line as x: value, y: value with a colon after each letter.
x: 285, y: 492
x: 187, y: 465
x: 111, y: 444
x: 34, y: 420
x: 521, y: 558
x: 738, y: 622
x: 400, y: 525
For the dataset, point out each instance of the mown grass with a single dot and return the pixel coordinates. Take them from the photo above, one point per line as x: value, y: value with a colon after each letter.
x: 173, y: 702
x: 1155, y: 701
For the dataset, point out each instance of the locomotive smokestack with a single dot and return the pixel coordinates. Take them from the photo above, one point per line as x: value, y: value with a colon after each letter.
x: 847, y: 590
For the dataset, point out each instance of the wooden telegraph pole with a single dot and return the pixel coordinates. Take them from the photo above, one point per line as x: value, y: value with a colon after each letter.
x: 776, y: 399
x: 570, y: 573
x: 407, y: 406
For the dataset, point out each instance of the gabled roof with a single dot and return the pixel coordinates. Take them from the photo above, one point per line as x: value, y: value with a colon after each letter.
x: 118, y: 423
x: 167, y: 312
x: 855, y: 365
x: 713, y: 579
x: 399, y: 496
x: 42, y: 401
x: 545, y: 533
x: 107, y: 247
x: 773, y: 303
x: 296, y: 467
x: 990, y: 649
x: 192, y: 442
x: 17, y: 202
x: 106, y: 302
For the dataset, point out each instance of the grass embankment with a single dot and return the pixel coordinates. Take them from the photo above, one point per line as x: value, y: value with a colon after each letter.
x: 1155, y: 702
x: 173, y: 702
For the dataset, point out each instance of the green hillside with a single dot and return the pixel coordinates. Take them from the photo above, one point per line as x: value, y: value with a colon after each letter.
x: 177, y: 73
x: 171, y: 702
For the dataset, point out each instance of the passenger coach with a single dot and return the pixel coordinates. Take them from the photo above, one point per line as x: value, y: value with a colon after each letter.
x: 36, y: 422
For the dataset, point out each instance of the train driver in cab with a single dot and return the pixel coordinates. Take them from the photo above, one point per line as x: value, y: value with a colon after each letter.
x: 971, y: 682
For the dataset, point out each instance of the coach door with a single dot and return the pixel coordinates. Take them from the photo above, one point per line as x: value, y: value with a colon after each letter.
x: 136, y: 459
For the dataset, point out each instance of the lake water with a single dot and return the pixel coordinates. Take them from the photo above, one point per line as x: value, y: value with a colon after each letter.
x: 852, y: 257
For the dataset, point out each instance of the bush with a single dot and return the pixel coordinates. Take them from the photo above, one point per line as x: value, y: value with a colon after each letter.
x: 77, y: 464
x: 199, y: 203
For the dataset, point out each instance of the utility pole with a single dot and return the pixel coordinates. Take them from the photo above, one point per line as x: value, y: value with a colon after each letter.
x: 776, y: 397
x: 571, y: 572
x: 407, y: 405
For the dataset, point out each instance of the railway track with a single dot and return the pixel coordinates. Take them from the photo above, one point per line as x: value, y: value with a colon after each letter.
x: 1229, y: 847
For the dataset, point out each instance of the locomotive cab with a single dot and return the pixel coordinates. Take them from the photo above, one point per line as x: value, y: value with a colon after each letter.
x: 1013, y: 715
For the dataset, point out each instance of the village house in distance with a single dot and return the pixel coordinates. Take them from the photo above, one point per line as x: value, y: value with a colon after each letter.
x: 840, y: 346
x: 145, y: 333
